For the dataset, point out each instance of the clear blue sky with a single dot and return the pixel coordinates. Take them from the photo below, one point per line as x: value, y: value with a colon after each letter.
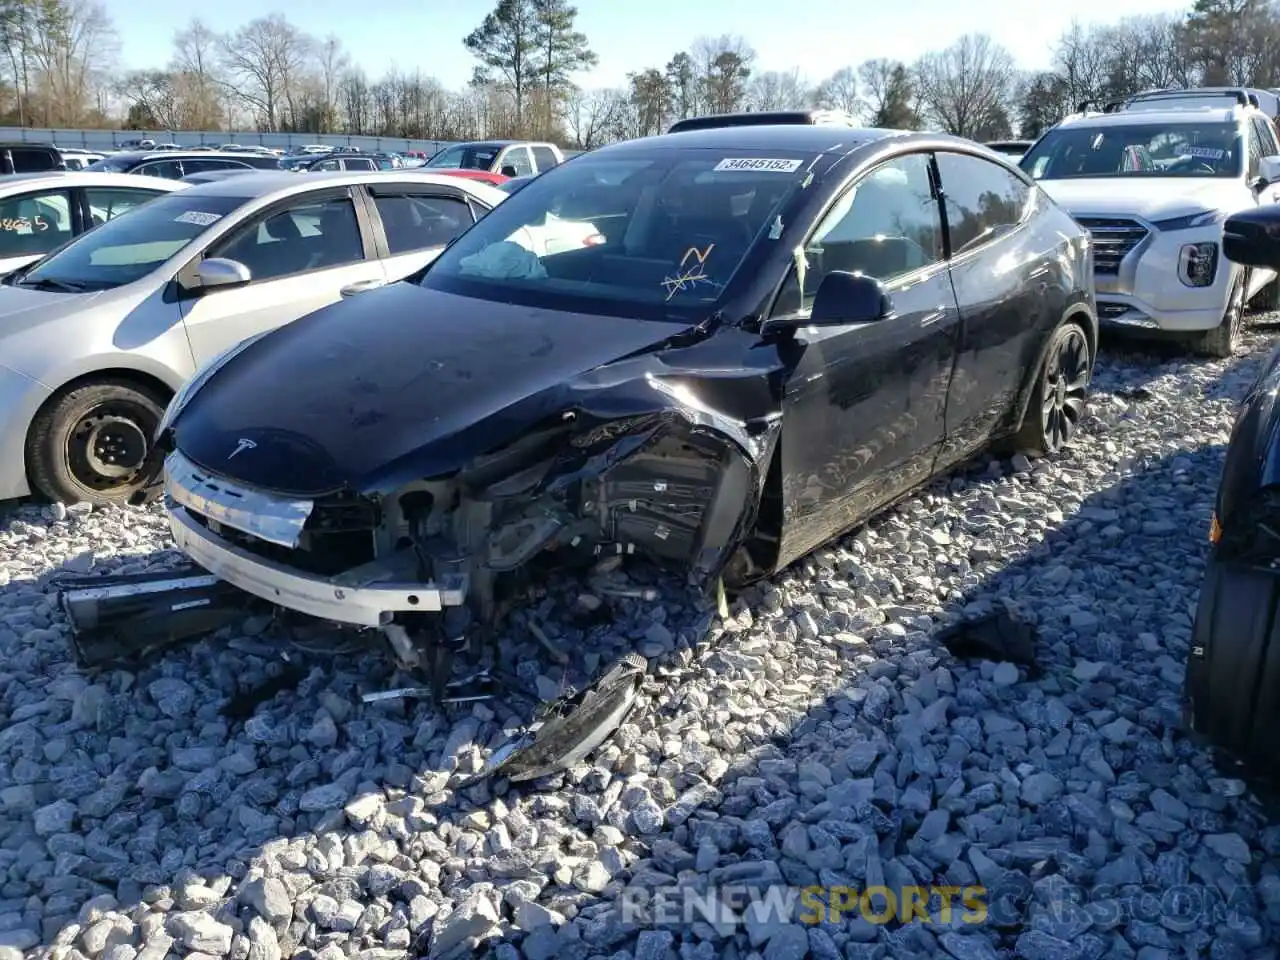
x: 631, y: 35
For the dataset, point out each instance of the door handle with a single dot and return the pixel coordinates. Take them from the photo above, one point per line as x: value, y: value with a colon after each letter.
x: 933, y: 317
x: 360, y: 286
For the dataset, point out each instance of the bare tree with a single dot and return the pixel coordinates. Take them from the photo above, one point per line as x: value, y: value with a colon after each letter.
x: 72, y: 45
x: 840, y: 92
x: 262, y: 58
x: 593, y: 116
x: 889, y: 94
x: 966, y: 88
x: 198, y: 93
x: 778, y: 90
x: 334, y: 62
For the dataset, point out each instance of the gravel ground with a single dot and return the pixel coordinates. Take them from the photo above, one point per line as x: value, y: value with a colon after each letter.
x: 819, y: 737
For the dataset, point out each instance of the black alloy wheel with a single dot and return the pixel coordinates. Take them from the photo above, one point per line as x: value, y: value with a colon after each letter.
x: 1066, y: 386
x: 90, y: 443
x: 1059, y: 398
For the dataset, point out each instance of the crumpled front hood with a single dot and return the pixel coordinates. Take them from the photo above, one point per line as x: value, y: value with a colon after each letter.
x: 1155, y: 198
x: 349, y: 394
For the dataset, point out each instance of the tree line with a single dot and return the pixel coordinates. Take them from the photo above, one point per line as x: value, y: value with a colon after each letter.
x: 58, y: 68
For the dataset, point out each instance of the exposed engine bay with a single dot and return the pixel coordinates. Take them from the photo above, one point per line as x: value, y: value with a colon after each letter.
x: 436, y: 565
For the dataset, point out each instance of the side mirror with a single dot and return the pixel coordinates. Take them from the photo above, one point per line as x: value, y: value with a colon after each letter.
x: 219, y: 272
x: 508, y: 171
x: 1252, y: 237
x: 846, y: 298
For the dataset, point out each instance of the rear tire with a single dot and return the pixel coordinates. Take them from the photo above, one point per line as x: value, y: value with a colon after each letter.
x: 89, y: 442
x: 1059, y: 398
x: 1233, y: 670
x: 1222, y: 340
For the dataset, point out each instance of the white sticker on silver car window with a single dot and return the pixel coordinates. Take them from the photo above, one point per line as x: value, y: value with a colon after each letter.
x: 198, y: 217
x: 757, y: 165
x: 1208, y: 153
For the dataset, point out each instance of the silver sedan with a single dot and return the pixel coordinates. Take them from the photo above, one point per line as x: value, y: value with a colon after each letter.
x: 97, y: 337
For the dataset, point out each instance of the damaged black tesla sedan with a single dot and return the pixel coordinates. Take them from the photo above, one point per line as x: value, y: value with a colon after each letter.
x: 1233, y: 671
x: 717, y: 349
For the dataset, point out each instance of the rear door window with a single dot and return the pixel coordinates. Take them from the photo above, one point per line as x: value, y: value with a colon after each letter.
x: 545, y: 158
x: 417, y: 222
x: 517, y: 158
x: 982, y: 199
x: 34, y: 223
x: 169, y: 169
x: 214, y: 163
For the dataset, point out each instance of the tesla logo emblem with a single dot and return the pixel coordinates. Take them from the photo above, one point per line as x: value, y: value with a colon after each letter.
x: 241, y: 446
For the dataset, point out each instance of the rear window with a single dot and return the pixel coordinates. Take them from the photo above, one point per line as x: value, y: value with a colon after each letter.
x: 659, y: 235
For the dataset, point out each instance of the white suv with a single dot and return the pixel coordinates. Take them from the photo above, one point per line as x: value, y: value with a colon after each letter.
x: 1153, y: 187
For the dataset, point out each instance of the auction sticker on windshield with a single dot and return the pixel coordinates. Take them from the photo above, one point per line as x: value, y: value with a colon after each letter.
x: 1207, y: 153
x: 198, y: 217
x: 757, y: 165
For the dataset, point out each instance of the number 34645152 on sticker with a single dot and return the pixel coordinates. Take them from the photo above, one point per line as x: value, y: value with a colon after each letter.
x: 757, y: 165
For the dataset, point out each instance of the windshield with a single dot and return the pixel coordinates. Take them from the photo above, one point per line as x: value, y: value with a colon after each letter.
x: 660, y: 234
x: 131, y: 245
x: 474, y: 156
x: 1137, y: 150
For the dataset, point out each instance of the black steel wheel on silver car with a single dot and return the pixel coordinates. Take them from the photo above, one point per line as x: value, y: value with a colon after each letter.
x: 89, y: 441
x: 1060, y: 396
x: 1222, y: 340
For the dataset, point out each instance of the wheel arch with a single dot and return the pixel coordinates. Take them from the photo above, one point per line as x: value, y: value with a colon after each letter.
x: 1078, y: 313
x: 127, y: 375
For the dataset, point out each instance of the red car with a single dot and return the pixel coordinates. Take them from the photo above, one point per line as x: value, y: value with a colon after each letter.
x: 482, y: 175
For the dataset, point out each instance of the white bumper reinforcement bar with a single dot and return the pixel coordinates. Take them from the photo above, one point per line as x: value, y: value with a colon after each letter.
x: 370, y: 605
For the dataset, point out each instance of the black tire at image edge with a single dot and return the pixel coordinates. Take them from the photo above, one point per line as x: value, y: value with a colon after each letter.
x: 1233, y: 670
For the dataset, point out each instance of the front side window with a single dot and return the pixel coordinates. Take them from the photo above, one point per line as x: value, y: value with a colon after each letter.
x: 419, y: 222
x: 358, y: 163
x: 659, y: 234
x: 1137, y: 150
x: 34, y: 223
x: 326, y: 165
x: 126, y: 249
x: 465, y: 156
x: 107, y: 203
x: 311, y: 235
x: 982, y: 199
x: 885, y: 226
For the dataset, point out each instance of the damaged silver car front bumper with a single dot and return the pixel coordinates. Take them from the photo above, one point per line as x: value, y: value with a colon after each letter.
x: 199, y: 506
